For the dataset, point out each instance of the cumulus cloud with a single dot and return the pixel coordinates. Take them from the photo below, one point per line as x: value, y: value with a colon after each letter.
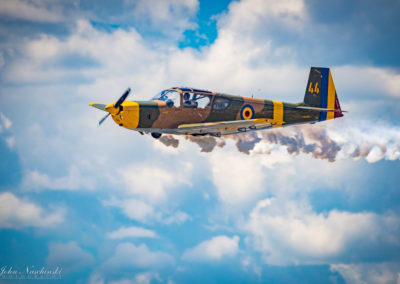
x: 172, y: 17
x: 132, y: 59
x: 238, y: 178
x: 365, y: 273
x: 368, y: 80
x: 5, y: 126
x: 143, y: 212
x: 215, y: 249
x: 135, y: 209
x: 34, y: 180
x: 178, y: 218
x: 16, y: 213
x: 128, y: 256
x: 68, y: 256
x: 131, y: 232
x: 10, y: 142
x: 5, y: 122
x: 242, y: 59
x: 256, y: 13
x: 35, y: 11
x: 140, y: 278
x: 278, y: 227
x: 152, y: 183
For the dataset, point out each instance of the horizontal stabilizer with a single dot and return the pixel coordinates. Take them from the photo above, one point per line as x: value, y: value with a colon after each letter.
x: 320, y: 109
x: 99, y: 106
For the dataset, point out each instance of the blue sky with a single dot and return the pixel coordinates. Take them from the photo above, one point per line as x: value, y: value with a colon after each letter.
x: 308, y: 204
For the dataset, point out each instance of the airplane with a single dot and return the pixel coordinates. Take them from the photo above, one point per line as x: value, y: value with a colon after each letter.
x: 189, y: 111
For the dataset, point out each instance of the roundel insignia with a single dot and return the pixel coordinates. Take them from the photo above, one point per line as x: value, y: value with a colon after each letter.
x: 247, y: 112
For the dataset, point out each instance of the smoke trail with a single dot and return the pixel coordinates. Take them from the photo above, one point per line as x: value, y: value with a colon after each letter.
x: 245, y: 142
x: 322, y: 147
x: 206, y: 143
x: 169, y: 140
x: 339, y: 142
x: 357, y: 140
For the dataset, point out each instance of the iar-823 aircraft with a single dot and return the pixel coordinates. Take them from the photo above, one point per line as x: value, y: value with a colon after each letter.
x: 188, y: 111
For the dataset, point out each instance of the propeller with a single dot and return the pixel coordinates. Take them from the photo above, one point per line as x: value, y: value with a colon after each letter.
x: 122, y: 98
x: 117, y: 104
x: 104, y: 118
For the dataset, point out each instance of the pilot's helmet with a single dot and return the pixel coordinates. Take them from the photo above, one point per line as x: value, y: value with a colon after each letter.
x: 186, y: 96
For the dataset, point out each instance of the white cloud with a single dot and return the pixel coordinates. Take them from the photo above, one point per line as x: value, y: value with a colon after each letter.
x: 364, y: 273
x: 5, y: 122
x: 16, y: 213
x: 178, y: 218
x: 289, y: 232
x: 215, y: 249
x: 242, y: 60
x: 238, y: 178
x: 35, y: 11
x: 135, y: 209
x: 131, y: 232
x: 34, y: 180
x: 151, y: 182
x: 257, y: 13
x: 5, y: 125
x: 141, y: 211
x: 10, y: 142
x: 129, y: 59
x: 68, y: 256
x: 140, y: 278
x: 171, y: 17
x: 128, y: 256
x: 367, y: 80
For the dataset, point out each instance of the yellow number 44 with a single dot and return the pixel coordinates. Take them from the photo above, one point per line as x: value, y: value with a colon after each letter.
x: 315, y: 89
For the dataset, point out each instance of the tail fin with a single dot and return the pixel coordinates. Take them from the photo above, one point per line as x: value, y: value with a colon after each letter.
x: 321, y: 93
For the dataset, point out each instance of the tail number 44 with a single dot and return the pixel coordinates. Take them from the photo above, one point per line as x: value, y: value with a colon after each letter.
x: 314, y: 89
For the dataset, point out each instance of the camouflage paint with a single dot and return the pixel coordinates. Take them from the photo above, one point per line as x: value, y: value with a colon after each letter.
x: 155, y: 115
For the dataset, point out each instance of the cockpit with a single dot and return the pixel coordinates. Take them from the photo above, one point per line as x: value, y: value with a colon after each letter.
x: 189, y: 98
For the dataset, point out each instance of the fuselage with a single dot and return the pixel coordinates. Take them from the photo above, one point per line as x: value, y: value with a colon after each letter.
x: 200, y: 112
x: 158, y: 114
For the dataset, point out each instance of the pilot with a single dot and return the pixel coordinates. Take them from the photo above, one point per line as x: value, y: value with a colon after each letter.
x: 186, y: 100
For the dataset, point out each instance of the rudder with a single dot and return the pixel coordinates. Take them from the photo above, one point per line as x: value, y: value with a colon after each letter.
x: 321, y: 93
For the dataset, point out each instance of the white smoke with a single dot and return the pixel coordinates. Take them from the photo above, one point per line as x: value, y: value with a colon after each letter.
x: 373, y: 142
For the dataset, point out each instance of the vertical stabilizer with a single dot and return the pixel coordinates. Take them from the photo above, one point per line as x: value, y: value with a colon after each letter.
x: 321, y: 93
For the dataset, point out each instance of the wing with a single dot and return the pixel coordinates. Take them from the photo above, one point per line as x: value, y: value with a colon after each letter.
x: 226, y: 127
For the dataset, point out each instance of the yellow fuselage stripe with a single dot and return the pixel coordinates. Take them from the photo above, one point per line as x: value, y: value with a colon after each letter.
x: 278, y: 112
x: 331, y: 97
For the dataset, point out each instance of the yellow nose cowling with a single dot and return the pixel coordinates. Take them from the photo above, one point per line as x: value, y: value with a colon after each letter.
x: 128, y: 116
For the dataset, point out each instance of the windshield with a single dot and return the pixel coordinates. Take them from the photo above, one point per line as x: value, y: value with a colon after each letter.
x: 159, y: 95
x: 171, y: 97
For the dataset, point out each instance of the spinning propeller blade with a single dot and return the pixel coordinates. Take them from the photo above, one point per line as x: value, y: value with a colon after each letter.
x: 122, y: 98
x: 104, y: 118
